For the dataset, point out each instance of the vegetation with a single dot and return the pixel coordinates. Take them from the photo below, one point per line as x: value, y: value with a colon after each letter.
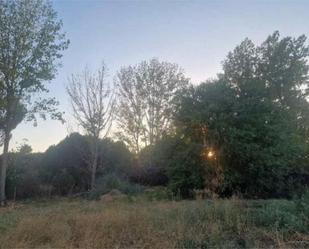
x: 253, y: 120
x: 92, y: 103
x: 31, y: 43
x: 147, y: 94
x: 140, y: 223
x: 233, y: 140
x: 63, y: 169
x: 241, y: 134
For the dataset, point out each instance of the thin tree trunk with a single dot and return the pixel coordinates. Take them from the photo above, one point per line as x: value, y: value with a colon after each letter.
x: 15, y: 192
x: 94, y: 164
x: 3, y: 168
x: 93, y: 174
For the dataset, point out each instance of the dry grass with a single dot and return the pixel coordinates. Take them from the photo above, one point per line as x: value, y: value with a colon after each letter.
x: 138, y: 224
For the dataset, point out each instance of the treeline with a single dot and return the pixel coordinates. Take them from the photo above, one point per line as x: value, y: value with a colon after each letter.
x: 245, y: 133
x: 63, y: 168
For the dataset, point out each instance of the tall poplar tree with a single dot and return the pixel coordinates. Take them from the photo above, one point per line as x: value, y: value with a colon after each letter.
x: 31, y: 42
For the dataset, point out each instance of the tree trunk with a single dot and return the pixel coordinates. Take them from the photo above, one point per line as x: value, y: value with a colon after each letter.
x: 4, y: 166
x: 93, y: 174
x: 94, y: 163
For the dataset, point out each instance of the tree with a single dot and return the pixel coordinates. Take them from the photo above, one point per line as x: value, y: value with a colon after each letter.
x: 24, y: 148
x: 252, y: 119
x: 31, y: 42
x: 92, y: 102
x: 64, y: 166
x: 23, y: 176
x: 271, y: 110
x: 146, y: 101
x: 281, y: 68
x: 203, y: 121
x: 185, y: 169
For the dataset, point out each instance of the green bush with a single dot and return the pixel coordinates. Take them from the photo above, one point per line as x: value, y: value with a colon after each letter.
x: 158, y: 193
x: 185, y: 170
x: 111, y: 181
x: 283, y: 216
x: 23, y: 175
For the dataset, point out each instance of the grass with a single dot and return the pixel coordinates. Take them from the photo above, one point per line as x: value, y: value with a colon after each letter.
x: 140, y: 223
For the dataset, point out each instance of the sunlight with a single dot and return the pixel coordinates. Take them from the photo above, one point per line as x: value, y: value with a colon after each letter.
x: 210, y: 154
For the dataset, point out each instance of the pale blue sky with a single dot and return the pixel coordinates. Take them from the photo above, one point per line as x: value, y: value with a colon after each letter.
x: 195, y: 34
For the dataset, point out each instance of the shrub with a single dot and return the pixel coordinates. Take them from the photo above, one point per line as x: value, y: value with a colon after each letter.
x: 283, y: 216
x: 149, y: 176
x: 185, y: 170
x: 65, y: 166
x: 23, y: 178
x: 172, y: 162
x: 158, y: 193
x: 111, y: 181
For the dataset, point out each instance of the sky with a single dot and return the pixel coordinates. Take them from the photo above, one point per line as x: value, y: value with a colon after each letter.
x: 197, y: 35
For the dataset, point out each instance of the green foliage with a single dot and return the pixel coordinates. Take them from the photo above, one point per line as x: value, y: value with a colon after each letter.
x: 66, y: 165
x: 283, y: 216
x: 23, y: 176
x: 173, y: 162
x: 109, y: 182
x: 244, y: 133
x: 147, y: 93
x: 114, y: 157
x: 25, y: 149
x: 185, y: 169
x: 31, y: 44
x: 153, y: 161
x: 63, y: 168
x: 253, y: 118
x: 158, y: 193
x: 238, y: 224
x: 302, y: 205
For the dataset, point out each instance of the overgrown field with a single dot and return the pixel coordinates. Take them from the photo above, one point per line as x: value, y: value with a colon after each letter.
x: 142, y: 223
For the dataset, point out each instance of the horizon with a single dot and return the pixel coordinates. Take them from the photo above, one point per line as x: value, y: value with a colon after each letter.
x: 194, y: 34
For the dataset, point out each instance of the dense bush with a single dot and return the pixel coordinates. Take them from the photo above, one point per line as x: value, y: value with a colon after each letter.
x: 283, y: 216
x: 151, y: 166
x: 63, y: 168
x: 109, y: 182
x: 23, y: 176
x: 114, y: 158
x: 149, y: 176
x: 172, y: 162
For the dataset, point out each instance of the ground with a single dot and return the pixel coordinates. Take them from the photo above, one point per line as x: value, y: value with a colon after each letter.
x: 133, y: 222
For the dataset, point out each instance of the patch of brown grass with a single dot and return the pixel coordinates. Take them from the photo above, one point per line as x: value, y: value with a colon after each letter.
x: 138, y: 224
x: 111, y: 226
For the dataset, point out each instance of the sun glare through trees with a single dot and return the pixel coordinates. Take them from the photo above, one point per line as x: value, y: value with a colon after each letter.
x: 167, y: 124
